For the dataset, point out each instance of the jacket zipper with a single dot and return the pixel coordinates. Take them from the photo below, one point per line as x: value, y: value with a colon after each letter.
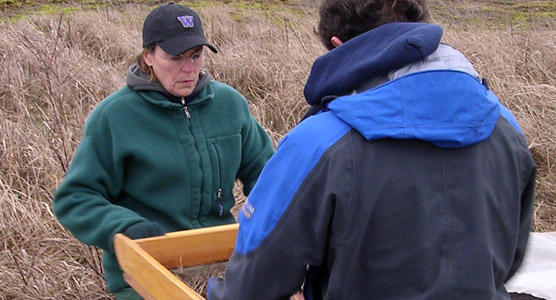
x: 219, y: 190
x: 185, y: 110
x: 220, y: 205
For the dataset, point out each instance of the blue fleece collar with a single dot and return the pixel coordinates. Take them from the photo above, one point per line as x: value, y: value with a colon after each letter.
x: 376, y: 52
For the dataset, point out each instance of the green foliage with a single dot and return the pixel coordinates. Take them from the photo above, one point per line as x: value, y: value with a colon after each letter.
x: 496, y: 14
x: 53, y: 9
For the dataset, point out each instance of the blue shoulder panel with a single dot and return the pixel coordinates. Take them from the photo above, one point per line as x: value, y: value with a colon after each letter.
x: 506, y: 114
x: 450, y: 109
x: 296, y: 156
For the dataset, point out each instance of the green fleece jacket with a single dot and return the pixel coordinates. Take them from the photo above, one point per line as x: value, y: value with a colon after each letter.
x: 145, y: 158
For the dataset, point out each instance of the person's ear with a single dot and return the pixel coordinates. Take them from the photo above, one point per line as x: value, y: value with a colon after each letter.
x: 336, y: 41
x: 147, y: 58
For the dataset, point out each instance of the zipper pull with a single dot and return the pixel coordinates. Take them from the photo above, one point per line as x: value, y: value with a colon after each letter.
x: 184, y: 108
x: 220, y: 206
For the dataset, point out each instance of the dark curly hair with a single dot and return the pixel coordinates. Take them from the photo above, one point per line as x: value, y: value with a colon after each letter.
x: 347, y: 19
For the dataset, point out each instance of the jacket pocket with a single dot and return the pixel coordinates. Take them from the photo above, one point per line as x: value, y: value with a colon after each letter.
x: 225, y: 155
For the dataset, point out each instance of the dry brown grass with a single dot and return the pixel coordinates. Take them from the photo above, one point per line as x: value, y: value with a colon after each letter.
x: 57, y: 68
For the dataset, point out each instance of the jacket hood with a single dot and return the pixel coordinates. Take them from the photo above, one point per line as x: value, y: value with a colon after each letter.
x: 376, y: 52
x: 450, y: 109
x: 431, y: 91
x: 139, y: 81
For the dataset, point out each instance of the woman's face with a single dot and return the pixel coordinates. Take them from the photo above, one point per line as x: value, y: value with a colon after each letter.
x: 177, y: 74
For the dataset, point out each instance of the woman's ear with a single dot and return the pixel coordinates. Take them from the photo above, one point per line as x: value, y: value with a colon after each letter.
x: 336, y: 41
x: 147, y: 58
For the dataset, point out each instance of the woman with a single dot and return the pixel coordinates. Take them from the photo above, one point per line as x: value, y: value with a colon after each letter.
x: 161, y: 154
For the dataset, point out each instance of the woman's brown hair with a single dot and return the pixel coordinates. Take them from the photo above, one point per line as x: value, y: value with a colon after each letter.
x: 143, y: 66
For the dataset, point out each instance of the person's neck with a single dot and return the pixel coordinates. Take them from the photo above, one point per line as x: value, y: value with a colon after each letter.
x: 178, y: 99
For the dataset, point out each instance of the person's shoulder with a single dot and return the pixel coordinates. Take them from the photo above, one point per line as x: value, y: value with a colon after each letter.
x: 228, y: 97
x: 221, y: 88
x: 117, y: 101
x: 321, y: 123
x: 321, y: 129
x: 119, y: 97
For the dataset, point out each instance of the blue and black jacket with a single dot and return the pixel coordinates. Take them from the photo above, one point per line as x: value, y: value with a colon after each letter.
x: 418, y: 188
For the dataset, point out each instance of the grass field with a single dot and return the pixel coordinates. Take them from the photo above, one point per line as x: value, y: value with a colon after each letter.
x: 60, y: 58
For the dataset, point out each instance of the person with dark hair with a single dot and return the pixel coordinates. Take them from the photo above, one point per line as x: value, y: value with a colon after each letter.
x: 407, y: 179
x: 163, y: 153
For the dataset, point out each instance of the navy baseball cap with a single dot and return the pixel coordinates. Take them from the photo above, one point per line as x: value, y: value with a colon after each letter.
x: 174, y: 28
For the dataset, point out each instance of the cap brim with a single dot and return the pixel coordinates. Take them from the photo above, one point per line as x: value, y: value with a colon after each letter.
x: 180, y: 44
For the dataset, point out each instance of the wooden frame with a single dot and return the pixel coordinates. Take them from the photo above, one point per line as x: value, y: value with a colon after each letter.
x: 146, y: 262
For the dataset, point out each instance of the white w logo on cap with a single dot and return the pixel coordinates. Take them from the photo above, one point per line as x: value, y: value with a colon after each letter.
x: 186, y: 21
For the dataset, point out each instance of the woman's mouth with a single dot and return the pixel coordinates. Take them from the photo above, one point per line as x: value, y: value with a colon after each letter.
x: 186, y: 82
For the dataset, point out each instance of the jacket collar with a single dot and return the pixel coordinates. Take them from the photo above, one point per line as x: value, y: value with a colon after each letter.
x: 374, y: 53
